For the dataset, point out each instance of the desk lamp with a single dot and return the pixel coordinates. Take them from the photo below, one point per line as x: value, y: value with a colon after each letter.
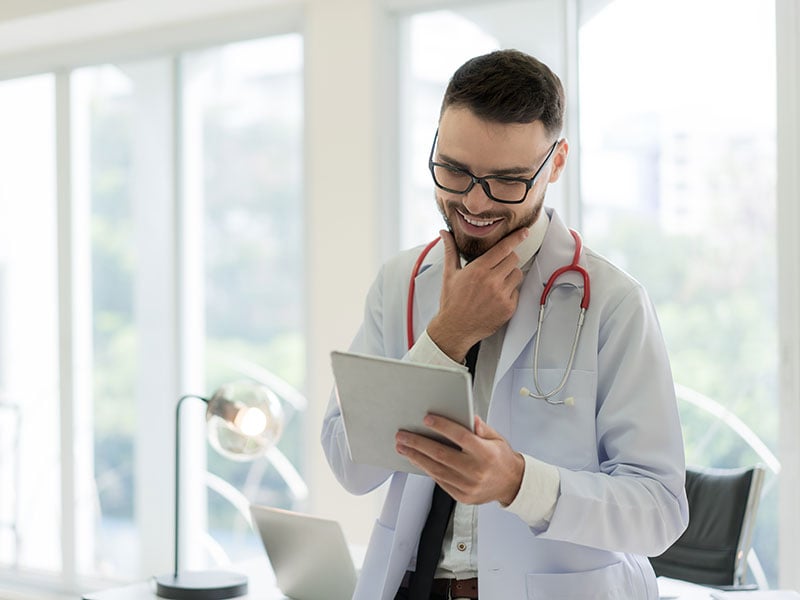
x: 244, y: 420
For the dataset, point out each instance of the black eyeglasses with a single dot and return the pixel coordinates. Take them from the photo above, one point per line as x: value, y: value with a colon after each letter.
x: 500, y: 188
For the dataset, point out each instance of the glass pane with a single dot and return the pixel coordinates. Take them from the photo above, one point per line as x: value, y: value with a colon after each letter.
x: 678, y: 180
x: 243, y: 134
x: 428, y: 59
x: 30, y: 482
x: 119, y: 147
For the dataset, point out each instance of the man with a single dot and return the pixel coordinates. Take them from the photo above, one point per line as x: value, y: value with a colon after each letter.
x: 561, y: 492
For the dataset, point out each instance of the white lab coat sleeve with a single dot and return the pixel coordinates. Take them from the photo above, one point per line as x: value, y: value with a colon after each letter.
x: 636, y: 502
x: 356, y: 478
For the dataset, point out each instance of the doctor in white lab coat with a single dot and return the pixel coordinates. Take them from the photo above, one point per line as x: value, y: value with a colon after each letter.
x: 605, y: 473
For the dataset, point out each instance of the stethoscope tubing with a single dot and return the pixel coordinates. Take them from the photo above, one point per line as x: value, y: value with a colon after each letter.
x: 573, y: 266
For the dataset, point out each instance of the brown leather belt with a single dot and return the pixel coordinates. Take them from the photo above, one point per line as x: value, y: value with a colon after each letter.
x: 449, y: 588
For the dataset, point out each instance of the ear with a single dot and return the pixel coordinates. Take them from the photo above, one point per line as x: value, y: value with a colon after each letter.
x: 559, y: 160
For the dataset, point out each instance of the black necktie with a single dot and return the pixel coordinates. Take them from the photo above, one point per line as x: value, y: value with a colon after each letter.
x: 430, y: 540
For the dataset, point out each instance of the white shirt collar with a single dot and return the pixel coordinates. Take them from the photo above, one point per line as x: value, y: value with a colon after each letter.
x: 530, y: 245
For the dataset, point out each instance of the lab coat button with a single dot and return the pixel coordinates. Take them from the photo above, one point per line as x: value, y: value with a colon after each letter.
x: 462, y: 546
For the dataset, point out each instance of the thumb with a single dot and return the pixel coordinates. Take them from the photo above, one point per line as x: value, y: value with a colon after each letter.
x: 483, y: 430
x: 451, y: 258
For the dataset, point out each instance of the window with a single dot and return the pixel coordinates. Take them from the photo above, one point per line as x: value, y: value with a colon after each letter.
x: 242, y: 131
x: 428, y: 59
x: 185, y: 217
x: 30, y: 450
x: 121, y: 204
x: 676, y: 157
x: 678, y: 154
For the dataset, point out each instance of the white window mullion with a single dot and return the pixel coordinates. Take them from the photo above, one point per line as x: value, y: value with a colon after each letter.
x: 78, y: 503
x: 154, y: 308
x: 572, y: 182
x: 74, y: 349
x: 66, y: 326
x: 191, y: 326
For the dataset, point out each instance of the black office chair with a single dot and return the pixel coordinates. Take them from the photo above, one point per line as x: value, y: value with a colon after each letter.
x: 713, y: 550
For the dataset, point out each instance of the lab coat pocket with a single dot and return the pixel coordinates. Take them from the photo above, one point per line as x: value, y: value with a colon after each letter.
x: 607, y: 583
x: 562, y: 434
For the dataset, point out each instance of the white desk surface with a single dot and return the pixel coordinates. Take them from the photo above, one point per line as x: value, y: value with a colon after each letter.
x: 262, y: 587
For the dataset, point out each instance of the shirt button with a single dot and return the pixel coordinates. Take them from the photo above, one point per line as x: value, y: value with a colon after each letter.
x: 462, y: 546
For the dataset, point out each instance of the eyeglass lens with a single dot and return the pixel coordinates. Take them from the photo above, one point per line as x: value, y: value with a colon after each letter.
x: 459, y: 182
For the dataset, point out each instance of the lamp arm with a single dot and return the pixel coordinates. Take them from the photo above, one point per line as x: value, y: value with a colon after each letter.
x: 178, y: 472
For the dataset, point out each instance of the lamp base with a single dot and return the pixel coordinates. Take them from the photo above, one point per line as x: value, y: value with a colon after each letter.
x: 201, y: 585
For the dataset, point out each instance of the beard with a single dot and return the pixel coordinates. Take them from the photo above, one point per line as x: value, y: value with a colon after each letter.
x: 471, y: 248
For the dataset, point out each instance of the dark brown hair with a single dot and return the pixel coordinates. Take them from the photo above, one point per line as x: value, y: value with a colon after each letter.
x: 508, y: 86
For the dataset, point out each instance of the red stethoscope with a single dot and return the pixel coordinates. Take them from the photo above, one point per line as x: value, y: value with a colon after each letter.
x: 573, y: 266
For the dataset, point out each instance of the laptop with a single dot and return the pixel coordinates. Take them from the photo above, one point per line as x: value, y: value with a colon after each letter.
x: 309, y: 555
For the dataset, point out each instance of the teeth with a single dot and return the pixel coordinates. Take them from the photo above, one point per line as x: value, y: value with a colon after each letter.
x: 479, y: 223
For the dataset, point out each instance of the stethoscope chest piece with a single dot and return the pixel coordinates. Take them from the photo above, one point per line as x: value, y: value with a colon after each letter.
x: 569, y: 401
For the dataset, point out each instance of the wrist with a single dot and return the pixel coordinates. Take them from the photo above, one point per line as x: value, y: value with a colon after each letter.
x: 449, y: 341
x: 515, y: 480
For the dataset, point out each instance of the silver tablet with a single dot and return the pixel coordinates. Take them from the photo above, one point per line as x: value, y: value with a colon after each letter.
x: 379, y: 396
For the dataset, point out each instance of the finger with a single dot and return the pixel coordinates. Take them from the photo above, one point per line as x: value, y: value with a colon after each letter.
x: 451, y: 258
x: 514, y: 278
x: 455, y: 432
x: 508, y: 263
x: 504, y: 247
x: 434, y: 456
x: 485, y: 431
x: 447, y: 477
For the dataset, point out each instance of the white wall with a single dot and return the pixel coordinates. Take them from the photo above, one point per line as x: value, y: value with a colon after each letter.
x: 342, y: 47
x: 787, y: 16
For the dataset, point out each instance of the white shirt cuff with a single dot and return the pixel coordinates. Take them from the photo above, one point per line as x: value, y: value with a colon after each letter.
x: 425, y: 351
x: 538, y: 493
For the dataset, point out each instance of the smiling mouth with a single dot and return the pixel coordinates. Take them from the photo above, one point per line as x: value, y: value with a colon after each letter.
x: 478, y: 222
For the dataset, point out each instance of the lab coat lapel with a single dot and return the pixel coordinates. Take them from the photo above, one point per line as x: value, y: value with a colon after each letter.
x: 556, y: 251
x: 417, y: 495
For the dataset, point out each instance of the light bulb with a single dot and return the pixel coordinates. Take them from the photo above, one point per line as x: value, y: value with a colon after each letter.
x: 251, y: 420
x: 245, y: 420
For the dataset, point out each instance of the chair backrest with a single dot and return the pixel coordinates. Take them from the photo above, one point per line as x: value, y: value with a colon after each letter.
x: 723, y: 504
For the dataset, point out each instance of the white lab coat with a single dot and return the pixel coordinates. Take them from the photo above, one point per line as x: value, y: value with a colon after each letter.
x: 619, y: 449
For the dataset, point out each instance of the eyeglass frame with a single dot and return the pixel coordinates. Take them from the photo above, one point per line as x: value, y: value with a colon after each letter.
x: 529, y: 182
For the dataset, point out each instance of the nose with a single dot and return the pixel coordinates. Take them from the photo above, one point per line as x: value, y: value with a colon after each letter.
x: 476, y: 201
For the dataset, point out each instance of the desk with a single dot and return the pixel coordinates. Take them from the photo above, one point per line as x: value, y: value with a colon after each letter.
x: 681, y: 590
x: 262, y: 587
